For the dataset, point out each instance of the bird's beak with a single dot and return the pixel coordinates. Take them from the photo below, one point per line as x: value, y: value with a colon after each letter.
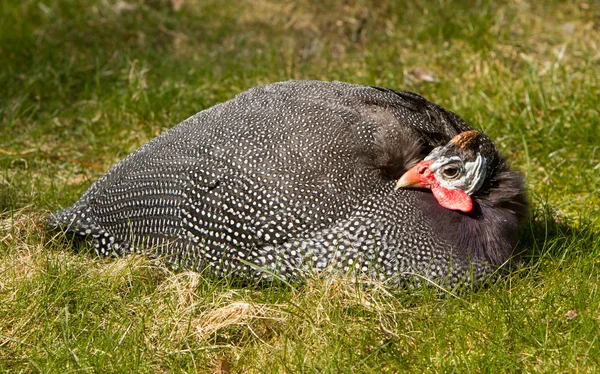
x: 421, y: 177
x: 414, y: 177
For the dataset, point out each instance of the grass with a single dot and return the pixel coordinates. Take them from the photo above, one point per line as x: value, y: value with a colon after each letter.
x: 84, y: 83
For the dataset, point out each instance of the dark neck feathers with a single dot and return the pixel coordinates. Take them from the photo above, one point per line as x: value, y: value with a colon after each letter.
x: 488, y: 233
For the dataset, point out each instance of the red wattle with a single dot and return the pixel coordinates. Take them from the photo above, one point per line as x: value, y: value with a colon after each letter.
x: 452, y: 199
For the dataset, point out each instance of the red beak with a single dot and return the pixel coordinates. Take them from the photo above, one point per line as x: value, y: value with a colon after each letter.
x: 415, y: 177
x: 421, y: 177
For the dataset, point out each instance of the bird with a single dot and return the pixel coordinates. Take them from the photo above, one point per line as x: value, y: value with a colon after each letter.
x: 302, y: 177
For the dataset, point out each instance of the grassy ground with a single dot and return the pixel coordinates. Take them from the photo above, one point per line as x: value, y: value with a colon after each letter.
x: 83, y: 83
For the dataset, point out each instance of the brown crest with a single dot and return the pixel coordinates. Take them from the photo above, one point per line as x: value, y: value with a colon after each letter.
x: 466, y: 140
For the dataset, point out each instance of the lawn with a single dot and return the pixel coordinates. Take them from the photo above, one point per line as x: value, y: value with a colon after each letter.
x: 83, y: 83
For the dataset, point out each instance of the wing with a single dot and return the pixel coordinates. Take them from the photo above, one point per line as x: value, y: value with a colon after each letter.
x: 276, y: 163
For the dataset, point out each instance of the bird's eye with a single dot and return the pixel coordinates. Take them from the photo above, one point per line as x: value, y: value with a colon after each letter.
x: 451, y: 172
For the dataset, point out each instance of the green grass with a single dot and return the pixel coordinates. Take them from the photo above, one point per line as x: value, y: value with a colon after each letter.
x: 83, y: 83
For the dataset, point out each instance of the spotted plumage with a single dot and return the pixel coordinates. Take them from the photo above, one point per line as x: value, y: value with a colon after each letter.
x: 298, y: 177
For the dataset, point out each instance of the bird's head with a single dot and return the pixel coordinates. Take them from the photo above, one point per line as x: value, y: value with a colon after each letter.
x: 455, y: 171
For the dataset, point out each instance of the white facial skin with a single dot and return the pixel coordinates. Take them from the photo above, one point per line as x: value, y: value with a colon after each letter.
x: 454, y: 174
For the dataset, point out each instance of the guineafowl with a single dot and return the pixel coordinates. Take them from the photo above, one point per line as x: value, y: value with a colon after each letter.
x: 293, y: 178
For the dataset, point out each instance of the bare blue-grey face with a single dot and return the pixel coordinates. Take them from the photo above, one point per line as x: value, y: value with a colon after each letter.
x: 454, y: 172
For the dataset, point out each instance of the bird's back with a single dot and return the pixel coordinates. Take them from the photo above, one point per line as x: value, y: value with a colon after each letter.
x: 293, y: 177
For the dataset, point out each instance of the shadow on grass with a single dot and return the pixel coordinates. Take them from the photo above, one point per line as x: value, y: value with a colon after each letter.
x: 551, y: 236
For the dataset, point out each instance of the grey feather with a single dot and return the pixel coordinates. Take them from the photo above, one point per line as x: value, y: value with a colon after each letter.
x: 297, y: 177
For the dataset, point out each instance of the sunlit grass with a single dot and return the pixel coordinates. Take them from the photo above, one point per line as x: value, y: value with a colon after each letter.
x: 84, y: 83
